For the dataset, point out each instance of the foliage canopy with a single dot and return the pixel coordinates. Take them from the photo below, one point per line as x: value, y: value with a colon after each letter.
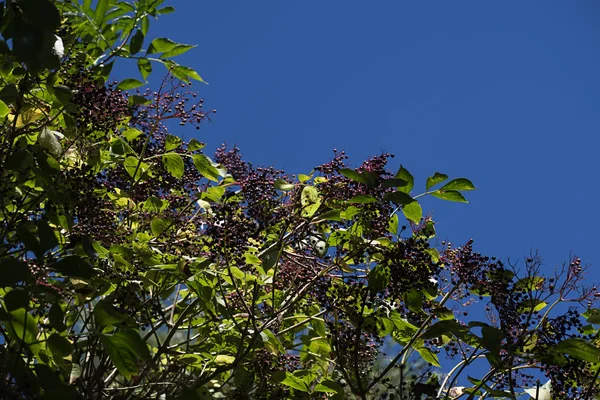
x: 133, y: 265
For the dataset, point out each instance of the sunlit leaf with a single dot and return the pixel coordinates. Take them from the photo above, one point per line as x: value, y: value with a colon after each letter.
x: 434, y: 180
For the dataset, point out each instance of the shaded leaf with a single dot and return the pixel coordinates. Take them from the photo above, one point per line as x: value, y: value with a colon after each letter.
x: 580, y: 349
x: 13, y: 271
x: 127, y: 351
x: 75, y: 266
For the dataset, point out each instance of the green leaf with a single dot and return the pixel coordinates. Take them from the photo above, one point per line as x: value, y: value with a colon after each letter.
x: 19, y: 160
x: 580, y: 349
x: 106, y: 314
x: 592, y: 315
x: 100, y: 13
x: 59, y: 345
x: 394, y: 182
x: 434, y: 180
x: 40, y: 13
x: 393, y: 225
x: 126, y: 349
x: 362, y: 199
x: 135, y: 99
x: 195, y: 145
x: 223, y: 359
x: 22, y: 326
x: 134, y: 166
x: 3, y: 109
x: 532, y: 305
x: 447, y: 327
x: 352, y: 174
x: 413, y: 211
x: 429, y: 356
x: 280, y: 184
x: 13, y: 271
x: 304, y: 177
x: 288, y: 379
x: 414, y: 300
x: 56, y: 317
x: 205, y: 166
x: 379, y: 278
x: 530, y: 283
x: 137, y: 40
x: 398, y: 197
x: 131, y: 134
x: 185, y: 73
x: 166, y: 10
x: 160, y: 45
x: 331, y: 215
x: 75, y: 266
x: 173, y: 164
x: 145, y: 67
x: 129, y: 83
x: 177, y: 50
x: 459, y: 184
x: 329, y: 386
x: 450, y: 195
x: 159, y: 226
x: 407, y: 177
x: 172, y: 142
x: 310, y: 201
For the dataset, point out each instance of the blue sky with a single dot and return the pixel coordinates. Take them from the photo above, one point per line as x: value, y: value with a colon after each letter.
x: 504, y: 93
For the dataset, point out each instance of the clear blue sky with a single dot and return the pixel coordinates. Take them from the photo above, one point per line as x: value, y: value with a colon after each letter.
x: 504, y: 93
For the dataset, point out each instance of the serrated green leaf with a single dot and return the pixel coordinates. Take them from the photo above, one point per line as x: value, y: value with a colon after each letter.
x: 449, y: 195
x: 434, y: 180
x: 173, y: 164
x: 459, y: 184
